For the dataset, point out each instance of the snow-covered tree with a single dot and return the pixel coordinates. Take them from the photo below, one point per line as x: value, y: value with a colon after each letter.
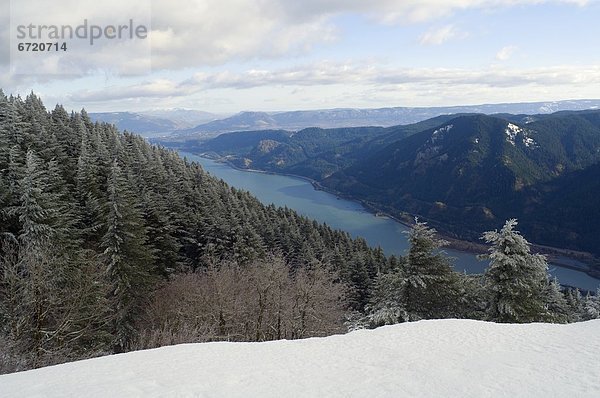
x: 431, y: 285
x: 556, y: 303
x: 51, y: 301
x: 516, y: 278
x: 128, y: 259
x: 575, y: 304
x: 386, y: 305
x: 592, y: 306
x: 424, y: 287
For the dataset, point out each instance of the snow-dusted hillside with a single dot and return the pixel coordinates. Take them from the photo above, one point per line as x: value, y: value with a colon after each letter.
x: 447, y: 358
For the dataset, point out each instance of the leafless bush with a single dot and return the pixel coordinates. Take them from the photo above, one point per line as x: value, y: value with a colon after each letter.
x: 265, y: 300
x: 51, y: 308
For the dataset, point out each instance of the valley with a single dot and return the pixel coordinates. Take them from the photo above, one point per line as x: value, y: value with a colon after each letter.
x: 379, y: 230
x: 463, y: 174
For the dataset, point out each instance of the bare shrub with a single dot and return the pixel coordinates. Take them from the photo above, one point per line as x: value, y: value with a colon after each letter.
x: 262, y: 301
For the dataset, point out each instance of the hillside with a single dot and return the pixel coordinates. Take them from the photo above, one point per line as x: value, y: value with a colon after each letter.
x: 469, y: 174
x: 463, y: 173
x: 312, y: 152
x: 94, y: 222
x: 135, y: 122
x: 478, y: 167
x: 447, y: 358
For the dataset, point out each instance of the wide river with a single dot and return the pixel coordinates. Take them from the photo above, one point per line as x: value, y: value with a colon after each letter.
x: 299, y: 194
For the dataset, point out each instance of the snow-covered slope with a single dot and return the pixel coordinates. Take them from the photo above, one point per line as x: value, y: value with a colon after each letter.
x: 447, y: 358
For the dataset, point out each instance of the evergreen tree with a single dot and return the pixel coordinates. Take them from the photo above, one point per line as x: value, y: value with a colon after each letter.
x: 35, y: 210
x: 592, y: 306
x: 575, y: 305
x: 556, y: 303
x: 50, y: 293
x: 387, y: 303
x: 90, y: 216
x: 128, y: 259
x: 516, y: 279
x: 431, y: 285
x: 423, y: 287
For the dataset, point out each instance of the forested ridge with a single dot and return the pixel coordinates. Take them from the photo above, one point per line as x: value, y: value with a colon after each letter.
x: 464, y: 174
x: 110, y: 244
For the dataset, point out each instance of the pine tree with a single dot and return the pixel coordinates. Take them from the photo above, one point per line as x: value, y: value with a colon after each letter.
x: 84, y: 210
x: 32, y: 276
x: 128, y: 259
x: 556, y: 303
x: 592, y: 306
x: 51, y: 292
x: 431, y: 285
x: 575, y: 305
x: 387, y: 302
x: 34, y: 210
x: 516, y: 278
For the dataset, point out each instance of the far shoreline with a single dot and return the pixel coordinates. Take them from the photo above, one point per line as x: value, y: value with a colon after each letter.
x: 553, y: 253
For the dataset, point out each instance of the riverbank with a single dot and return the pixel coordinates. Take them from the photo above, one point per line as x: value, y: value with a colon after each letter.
x: 554, y: 254
x: 564, y: 259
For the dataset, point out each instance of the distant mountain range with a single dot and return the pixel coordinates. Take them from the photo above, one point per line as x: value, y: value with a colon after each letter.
x: 384, y: 117
x: 463, y: 173
x: 187, y: 123
x: 154, y: 123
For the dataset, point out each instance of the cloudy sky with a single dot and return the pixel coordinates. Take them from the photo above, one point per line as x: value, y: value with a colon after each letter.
x: 226, y: 56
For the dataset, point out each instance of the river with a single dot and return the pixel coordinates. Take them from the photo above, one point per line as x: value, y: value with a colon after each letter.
x: 300, y: 195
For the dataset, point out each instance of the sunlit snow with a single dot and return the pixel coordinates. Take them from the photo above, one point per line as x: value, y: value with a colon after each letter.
x: 444, y: 358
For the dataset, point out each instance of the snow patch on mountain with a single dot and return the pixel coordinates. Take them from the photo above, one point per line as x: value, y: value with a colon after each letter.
x: 528, y: 141
x: 440, y: 358
x: 439, y: 133
x: 512, y: 131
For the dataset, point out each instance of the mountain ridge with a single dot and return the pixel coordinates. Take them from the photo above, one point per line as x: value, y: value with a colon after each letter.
x: 462, y: 173
x: 382, y: 117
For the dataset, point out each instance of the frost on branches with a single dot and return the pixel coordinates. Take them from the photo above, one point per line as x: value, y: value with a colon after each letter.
x: 516, y: 278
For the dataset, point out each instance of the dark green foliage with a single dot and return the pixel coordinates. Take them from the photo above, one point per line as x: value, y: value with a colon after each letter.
x: 556, y: 303
x: 387, y: 303
x: 126, y: 255
x: 93, y: 219
x: 592, y: 306
x: 517, y: 279
x: 575, y: 304
x: 94, y: 222
x: 431, y: 283
x: 424, y: 286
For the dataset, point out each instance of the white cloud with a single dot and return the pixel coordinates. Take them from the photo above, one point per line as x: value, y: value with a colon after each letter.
x: 158, y: 88
x: 505, y: 53
x: 196, y: 33
x: 376, y: 77
x: 212, y: 32
x: 392, y: 11
x: 331, y: 85
x: 199, y: 34
x: 440, y: 35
